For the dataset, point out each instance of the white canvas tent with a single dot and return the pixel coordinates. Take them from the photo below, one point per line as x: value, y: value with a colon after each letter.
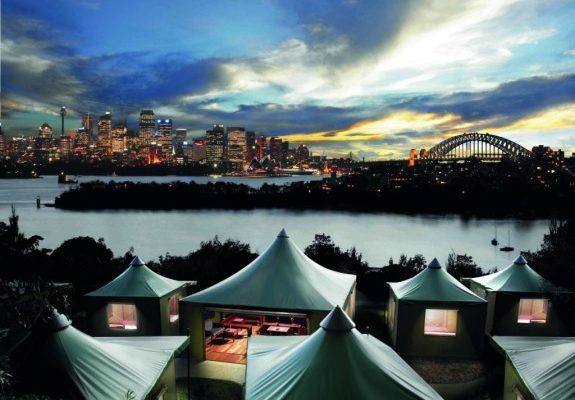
x: 62, y: 360
x: 282, y: 280
x: 335, y: 362
x: 513, y: 286
x: 434, y: 315
x: 541, y: 368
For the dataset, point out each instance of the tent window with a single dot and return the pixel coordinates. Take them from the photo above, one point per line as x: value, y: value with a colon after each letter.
x: 533, y: 311
x: 440, y: 322
x: 391, y: 313
x: 122, y: 316
x: 174, y: 307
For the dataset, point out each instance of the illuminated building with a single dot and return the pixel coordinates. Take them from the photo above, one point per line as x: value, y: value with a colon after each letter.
x: 88, y: 125
x: 237, y: 146
x: 105, y: 133
x: 276, y: 148
x: 261, y: 147
x: 2, y: 142
x: 412, y: 157
x: 147, y: 126
x: 302, y: 153
x: 164, y: 139
x: 215, y: 144
x: 199, y: 150
x: 118, y: 141
x: 251, y: 145
x: 181, y: 134
x: 65, y: 146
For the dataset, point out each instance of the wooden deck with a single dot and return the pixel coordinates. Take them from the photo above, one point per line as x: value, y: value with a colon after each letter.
x: 232, y: 350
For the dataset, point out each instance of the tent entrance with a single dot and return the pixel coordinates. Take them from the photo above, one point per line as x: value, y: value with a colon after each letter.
x: 227, y: 330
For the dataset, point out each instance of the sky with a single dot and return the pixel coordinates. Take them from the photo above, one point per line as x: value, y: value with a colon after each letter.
x: 375, y: 78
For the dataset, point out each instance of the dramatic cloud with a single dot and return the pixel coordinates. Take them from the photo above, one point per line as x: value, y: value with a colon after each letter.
x: 373, y: 77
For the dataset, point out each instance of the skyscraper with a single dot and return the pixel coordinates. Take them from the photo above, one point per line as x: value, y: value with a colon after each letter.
x: 88, y: 125
x: 164, y: 139
x: 237, y: 146
x: 181, y: 134
x: 251, y: 145
x: 147, y: 126
x: 105, y: 133
x: 215, y: 144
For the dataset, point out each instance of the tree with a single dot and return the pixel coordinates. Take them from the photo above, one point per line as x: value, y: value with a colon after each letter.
x: 211, y: 263
x: 555, y: 259
x: 462, y: 266
x: 324, y: 252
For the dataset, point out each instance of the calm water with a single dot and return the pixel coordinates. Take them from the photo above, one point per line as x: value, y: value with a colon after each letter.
x: 378, y: 236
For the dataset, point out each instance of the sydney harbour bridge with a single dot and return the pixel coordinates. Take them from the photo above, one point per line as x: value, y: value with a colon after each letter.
x: 480, y: 146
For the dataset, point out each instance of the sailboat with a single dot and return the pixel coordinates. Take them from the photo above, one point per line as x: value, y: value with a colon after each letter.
x: 508, y: 247
x: 494, y: 241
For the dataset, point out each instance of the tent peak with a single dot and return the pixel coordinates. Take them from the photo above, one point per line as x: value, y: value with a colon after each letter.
x: 434, y: 264
x: 520, y: 261
x: 337, y: 321
x: 137, y: 262
x: 283, y: 234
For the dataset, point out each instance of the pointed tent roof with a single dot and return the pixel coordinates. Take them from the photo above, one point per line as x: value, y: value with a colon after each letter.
x: 434, y: 283
x: 517, y: 277
x: 546, y: 365
x: 138, y: 281
x: 97, y: 369
x: 335, y: 362
x: 281, y: 278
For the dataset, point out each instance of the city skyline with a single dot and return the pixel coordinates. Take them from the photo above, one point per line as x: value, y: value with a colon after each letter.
x: 374, y: 78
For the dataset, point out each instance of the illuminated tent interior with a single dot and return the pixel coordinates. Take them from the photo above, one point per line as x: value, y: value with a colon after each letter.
x: 335, y: 362
x: 538, y: 368
x: 519, y: 302
x: 138, y: 302
x: 58, y: 359
x: 433, y: 314
x: 280, y: 292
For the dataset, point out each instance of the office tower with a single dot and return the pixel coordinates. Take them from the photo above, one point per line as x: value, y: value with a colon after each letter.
x: 276, y: 148
x: 44, y: 141
x: 261, y: 147
x: 199, y: 150
x: 181, y: 134
x: 164, y: 139
x: 88, y: 125
x: 284, y: 151
x: 146, y: 127
x: 215, y: 144
x: 105, y: 133
x: 65, y: 146
x: 251, y: 145
x: 118, y: 142
x: 302, y: 153
x: 3, y: 146
x: 237, y: 146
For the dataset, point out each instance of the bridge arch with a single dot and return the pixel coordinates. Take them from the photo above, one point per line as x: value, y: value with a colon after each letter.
x: 479, y: 145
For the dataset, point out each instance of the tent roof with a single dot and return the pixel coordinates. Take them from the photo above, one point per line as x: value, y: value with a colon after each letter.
x: 546, y: 365
x: 517, y: 277
x: 434, y: 283
x: 330, y: 364
x: 138, y: 281
x: 281, y: 278
x: 101, y: 369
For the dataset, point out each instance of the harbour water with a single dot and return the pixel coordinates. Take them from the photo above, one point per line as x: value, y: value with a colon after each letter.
x: 378, y: 236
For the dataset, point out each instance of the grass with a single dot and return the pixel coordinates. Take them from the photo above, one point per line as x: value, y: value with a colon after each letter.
x: 212, y: 389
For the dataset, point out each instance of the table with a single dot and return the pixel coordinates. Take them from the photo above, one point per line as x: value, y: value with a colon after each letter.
x: 278, y: 329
